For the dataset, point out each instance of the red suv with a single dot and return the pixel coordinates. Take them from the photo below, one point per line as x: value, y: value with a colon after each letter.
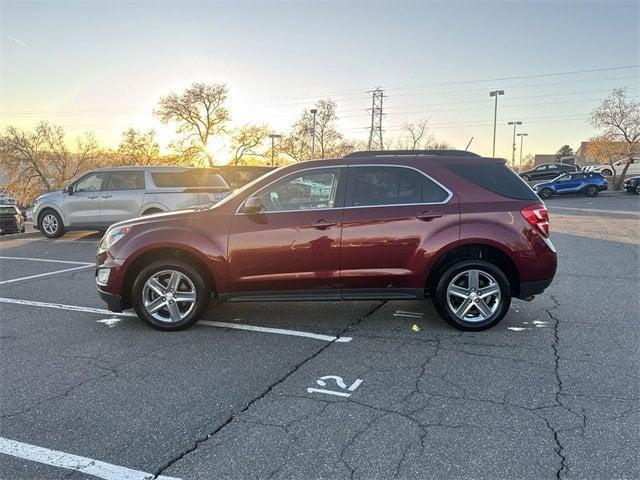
x: 452, y: 225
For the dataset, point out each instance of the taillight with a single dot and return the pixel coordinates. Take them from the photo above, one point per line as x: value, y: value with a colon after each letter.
x: 538, y: 216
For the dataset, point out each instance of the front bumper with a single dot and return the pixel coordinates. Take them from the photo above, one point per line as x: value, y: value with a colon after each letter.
x: 113, y: 301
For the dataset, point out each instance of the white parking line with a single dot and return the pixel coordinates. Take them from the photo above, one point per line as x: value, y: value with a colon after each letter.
x: 69, y: 461
x: 236, y: 326
x: 277, y: 331
x: 39, y: 275
x: 45, y: 260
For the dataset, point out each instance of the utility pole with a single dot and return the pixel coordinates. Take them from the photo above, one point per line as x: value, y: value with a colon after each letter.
x: 521, y: 135
x: 314, y: 111
x: 513, y: 145
x: 495, y: 93
x: 375, y: 132
x: 273, y: 137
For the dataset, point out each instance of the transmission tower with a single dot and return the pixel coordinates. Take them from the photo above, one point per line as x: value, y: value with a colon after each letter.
x: 375, y: 133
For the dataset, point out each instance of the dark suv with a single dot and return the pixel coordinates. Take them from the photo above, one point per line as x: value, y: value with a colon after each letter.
x: 460, y: 228
x: 548, y: 171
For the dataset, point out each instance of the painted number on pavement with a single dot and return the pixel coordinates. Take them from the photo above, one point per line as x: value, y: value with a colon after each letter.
x: 339, y: 381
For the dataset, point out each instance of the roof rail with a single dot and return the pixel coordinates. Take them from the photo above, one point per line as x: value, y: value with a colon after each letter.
x: 411, y: 153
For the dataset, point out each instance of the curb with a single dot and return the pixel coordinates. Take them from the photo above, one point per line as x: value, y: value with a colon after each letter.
x: 13, y: 236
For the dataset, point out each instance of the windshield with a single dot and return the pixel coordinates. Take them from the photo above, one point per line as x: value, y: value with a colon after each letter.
x: 249, y: 185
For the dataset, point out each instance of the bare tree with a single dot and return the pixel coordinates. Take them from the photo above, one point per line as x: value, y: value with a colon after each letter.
x: 39, y: 161
x: 619, y: 117
x: 416, y: 135
x: 246, y: 140
x: 199, y: 114
x: 139, y: 148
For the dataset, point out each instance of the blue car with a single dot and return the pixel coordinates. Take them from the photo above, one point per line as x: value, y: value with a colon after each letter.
x: 582, y: 183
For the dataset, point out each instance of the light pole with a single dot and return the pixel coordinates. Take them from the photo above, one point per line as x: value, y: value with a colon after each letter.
x: 273, y: 137
x: 521, y: 135
x: 513, y: 151
x: 313, y: 134
x: 495, y: 93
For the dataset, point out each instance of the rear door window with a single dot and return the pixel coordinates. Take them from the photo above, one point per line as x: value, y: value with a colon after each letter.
x: 497, y: 178
x: 196, y: 178
x: 125, y: 180
x: 384, y: 185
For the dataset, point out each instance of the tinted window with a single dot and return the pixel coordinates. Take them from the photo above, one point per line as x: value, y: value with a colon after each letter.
x: 308, y: 190
x: 497, y: 178
x: 125, y: 180
x: 90, y: 183
x: 392, y: 186
x: 541, y: 167
x: 8, y: 210
x: 578, y: 176
x: 197, y: 177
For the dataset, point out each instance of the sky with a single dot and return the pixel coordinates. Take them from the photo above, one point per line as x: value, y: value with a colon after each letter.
x: 101, y: 66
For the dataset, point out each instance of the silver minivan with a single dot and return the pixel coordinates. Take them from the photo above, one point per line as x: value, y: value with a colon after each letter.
x: 108, y: 195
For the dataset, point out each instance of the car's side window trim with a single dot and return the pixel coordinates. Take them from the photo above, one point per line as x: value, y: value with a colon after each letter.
x: 342, y: 179
x: 408, y: 167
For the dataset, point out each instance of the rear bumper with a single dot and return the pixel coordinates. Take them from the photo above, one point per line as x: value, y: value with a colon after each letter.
x: 113, y: 301
x: 529, y: 289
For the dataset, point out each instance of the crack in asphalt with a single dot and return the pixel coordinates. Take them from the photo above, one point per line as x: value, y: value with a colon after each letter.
x: 265, y: 392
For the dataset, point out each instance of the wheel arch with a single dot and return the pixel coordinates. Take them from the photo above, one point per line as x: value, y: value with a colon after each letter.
x: 186, y: 255
x: 475, y: 250
x: 56, y: 209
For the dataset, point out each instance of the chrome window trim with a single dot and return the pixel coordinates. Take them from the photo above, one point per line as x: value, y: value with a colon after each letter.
x: 446, y: 200
x: 238, y: 212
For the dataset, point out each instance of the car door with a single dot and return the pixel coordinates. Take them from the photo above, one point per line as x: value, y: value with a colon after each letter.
x: 539, y: 172
x: 82, y: 201
x: 291, y: 249
x: 392, y: 216
x: 122, y: 195
x: 551, y: 172
x: 576, y: 183
x: 563, y: 184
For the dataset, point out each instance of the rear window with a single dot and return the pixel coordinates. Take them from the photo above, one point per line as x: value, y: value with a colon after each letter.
x: 8, y: 210
x: 189, y: 179
x: 497, y: 178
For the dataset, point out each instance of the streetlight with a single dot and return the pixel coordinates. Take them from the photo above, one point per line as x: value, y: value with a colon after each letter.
x: 273, y: 137
x: 513, y: 151
x: 521, y: 135
x: 313, y: 133
x: 495, y: 93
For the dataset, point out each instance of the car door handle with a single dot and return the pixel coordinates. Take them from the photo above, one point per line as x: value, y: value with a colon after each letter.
x: 322, y: 224
x: 427, y: 216
x: 106, y: 196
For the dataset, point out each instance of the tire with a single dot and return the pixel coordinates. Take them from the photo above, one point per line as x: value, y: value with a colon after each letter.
x: 51, y: 224
x: 591, y: 191
x: 546, y: 193
x: 637, y: 190
x: 458, y: 277
x: 190, y: 281
x: 151, y: 211
x: 607, y: 172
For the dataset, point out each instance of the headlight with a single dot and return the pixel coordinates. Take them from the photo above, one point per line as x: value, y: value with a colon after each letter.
x: 111, y: 237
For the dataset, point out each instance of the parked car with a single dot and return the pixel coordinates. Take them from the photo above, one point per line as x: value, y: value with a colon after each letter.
x: 548, y: 171
x: 463, y: 229
x: 582, y: 183
x: 632, y: 185
x: 105, y: 196
x: 11, y: 220
x: 634, y: 168
x: 237, y: 176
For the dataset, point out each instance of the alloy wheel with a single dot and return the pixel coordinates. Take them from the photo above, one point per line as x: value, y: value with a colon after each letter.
x: 473, y: 295
x: 50, y: 224
x: 169, y: 296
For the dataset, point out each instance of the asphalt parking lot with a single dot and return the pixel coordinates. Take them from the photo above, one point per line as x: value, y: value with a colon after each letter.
x: 326, y: 390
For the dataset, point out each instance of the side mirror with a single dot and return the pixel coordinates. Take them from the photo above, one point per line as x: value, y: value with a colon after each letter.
x: 68, y: 189
x: 253, y: 205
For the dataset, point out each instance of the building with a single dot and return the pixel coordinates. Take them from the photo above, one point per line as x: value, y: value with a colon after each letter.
x: 618, y: 149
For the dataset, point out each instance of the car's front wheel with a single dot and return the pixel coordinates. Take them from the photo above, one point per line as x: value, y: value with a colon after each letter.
x: 545, y: 193
x: 170, y: 294
x: 591, y: 191
x: 473, y: 295
x: 51, y: 224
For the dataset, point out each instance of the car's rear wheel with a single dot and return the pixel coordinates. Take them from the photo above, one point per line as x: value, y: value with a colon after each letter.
x: 546, y: 193
x: 170, y: 294
x: 607, y: 172
x: 637, y: 190
x: 591, y: 191
x: 51, y: 224
x: 473, y: 295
